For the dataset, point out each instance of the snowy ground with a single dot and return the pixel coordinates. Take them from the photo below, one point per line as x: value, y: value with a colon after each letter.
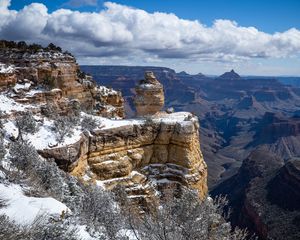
x: 6, y: 69
x: 45, y: 136
x: 23, y: 209
x: 8, y: 105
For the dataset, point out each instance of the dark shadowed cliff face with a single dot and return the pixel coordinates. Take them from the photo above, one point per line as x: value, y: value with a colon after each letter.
x: 264, y: 196
x: 283, y: 189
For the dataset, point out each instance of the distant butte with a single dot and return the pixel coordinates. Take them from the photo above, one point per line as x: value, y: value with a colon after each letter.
x: 230, y: 75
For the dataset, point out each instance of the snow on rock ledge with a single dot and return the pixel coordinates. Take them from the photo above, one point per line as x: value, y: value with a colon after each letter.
x: 127, y: 152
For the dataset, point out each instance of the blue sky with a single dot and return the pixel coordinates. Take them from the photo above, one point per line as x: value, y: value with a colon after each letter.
x: 267, y: 15
x: 256, y: 48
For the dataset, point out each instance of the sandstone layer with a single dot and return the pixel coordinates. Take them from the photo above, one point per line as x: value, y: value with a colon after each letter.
x: 144, y: 157
x: 149, y: 97
x: 56, y: 70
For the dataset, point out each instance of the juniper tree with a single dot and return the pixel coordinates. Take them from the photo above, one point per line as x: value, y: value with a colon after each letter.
x: 26, y: 124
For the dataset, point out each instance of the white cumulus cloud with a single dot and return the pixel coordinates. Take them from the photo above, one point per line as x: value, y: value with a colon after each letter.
x: 123, y: 31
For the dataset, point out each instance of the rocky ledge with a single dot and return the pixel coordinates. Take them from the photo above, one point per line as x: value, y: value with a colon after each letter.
x: 45, y: 70
x: 142, y: 155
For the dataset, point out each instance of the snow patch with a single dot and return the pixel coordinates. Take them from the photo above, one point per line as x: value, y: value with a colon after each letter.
x: 106, y: 91
x: 6, y: 69
x: 23, y: 209
x: 19, y: 86
x: 8, y: 105
x: 45, y: 136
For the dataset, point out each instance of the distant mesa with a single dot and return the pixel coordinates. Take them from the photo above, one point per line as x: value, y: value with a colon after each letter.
x: 232, y: 75
x: 183, y: 73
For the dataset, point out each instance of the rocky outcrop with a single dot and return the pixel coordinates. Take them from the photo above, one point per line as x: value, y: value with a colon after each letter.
x: 7, y: 76
x: 110, y: 103
x: 149, y: 97
x: 53, y: 69
x: 144, y: 157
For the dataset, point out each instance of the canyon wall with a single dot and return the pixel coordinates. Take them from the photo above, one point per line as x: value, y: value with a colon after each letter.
x: 143, y: 157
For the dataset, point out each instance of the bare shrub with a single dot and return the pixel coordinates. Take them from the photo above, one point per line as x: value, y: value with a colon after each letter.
x: 63, y: 126
x: 100, y: 212
x: 88, y: 123
x: 184, y: 218
x: 42, y: 228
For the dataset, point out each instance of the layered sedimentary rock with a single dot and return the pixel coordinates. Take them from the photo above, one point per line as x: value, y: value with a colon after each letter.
x: 149, y: 97
x: 52, y: 69
x: 143, y: 156
x: 110, y: 103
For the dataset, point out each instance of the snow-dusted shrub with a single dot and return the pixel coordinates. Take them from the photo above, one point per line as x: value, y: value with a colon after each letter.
x: 75, y: 107
x: 149, y: 121
x: 100, y: 212
x: 23, y: 155
x: 63, y: 127
x: 52, y: 229
x: 49, y: 82
x: 49, y: 110
x: 184, y: 218
x: 59, y: 184
x: 9, y: 230
x: 26, y: 124
x: 1, y: 121
x: 88, y: 123
x: 2, y: 147
x: 42, y: 228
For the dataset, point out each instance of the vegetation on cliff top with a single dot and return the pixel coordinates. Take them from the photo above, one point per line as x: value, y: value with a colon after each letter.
x: 33, y: 48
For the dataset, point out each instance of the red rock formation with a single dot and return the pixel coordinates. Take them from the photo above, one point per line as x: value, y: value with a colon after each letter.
x: 53, y: 69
